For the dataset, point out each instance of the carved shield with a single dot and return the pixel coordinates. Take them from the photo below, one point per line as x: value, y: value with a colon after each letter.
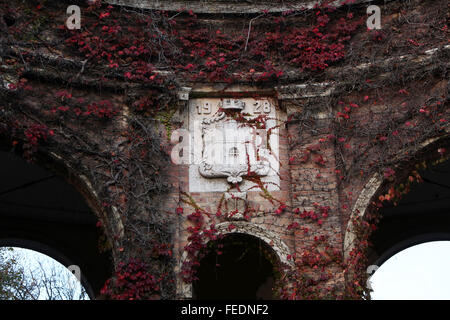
x: 232, y: 150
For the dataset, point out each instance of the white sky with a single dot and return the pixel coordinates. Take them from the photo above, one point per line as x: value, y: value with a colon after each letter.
x: 420, y: 272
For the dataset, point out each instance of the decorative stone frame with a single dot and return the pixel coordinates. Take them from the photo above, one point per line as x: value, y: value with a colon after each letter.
x: 185, y: 290
x: 219, y: 175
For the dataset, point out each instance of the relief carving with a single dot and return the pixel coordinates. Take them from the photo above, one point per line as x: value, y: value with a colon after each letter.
x: 230, y: 149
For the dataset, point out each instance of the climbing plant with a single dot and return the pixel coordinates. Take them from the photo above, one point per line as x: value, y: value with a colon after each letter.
x: 97, y: 97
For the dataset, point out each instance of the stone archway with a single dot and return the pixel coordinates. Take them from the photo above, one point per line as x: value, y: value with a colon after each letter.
x: 244, y: 268
x: 374, y: 187
x: 359, y: 209
x: 420, y: 216
x: 270, y: 240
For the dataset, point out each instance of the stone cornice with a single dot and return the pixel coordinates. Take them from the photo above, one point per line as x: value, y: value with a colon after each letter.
x: 293, y: 89
x: 223, y: 7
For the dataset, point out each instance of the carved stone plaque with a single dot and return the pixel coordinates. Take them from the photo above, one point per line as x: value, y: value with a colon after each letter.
x: 227, y: 148
x: 235, y: 205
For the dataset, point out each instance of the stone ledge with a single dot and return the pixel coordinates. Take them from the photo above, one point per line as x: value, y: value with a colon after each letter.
x: 222, y: 7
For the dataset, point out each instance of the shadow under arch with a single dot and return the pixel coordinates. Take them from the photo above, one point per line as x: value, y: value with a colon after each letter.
x: 377, y: 185
x: 237, y: 266
x: 45, y: 207
x: 270, y: 239
x: 422, y: 215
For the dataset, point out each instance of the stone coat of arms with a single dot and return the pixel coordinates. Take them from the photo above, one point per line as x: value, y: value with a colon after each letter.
x: 231, y: 149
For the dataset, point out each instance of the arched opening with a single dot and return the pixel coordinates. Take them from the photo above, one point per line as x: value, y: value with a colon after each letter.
x: 41, y: 211
x: 430, y: 198
x: 238, y: 266
x: 412, y: 242
x: 422, y: 215
x: 419, y: 272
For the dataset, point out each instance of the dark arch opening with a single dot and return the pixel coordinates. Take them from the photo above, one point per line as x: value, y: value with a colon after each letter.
x: 39, y: 210
x: 422, y: 215
x: 238, y: 266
